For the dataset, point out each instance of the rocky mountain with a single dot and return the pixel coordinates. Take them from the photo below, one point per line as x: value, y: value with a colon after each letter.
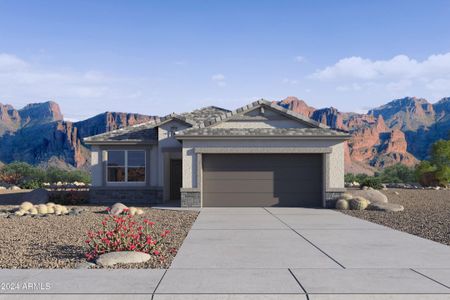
x: 38, y: 134
x: 400, y: 131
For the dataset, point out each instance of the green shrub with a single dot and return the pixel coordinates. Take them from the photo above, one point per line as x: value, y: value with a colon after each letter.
x: 397, y: 174
x: 373, y: 182
x: 436, y: 171
x: 30, y: 177
x: 350, y: 177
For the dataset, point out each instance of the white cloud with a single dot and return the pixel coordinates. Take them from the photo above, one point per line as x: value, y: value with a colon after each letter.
x: 22, y: 82
x: 299, y: 59
x: 219, y: 79
x: 400, y: 67
x: 290, y: 81
x: 10, y: 62
x: 396, y: 76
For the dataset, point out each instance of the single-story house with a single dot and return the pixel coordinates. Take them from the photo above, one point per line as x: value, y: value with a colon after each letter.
x: 258, y: 155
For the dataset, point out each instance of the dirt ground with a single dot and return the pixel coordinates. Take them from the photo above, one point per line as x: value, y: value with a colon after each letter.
x: 59, y: 241
x: 426, y: 214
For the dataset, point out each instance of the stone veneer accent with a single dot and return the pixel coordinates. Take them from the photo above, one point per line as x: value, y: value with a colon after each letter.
x: 127, y: 196
x: 190, y: 197
x: 332, y: 196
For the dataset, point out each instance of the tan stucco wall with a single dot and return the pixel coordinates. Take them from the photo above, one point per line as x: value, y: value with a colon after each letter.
x: 335, y: 168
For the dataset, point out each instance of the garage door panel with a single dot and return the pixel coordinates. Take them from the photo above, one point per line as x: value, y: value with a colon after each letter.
x: 263, y: 199
x: 262, y: 180
x: 278, y: 174
x: 254, y: 186
x: 248, y: 161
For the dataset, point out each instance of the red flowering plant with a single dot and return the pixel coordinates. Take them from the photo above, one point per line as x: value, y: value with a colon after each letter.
x: 123, y: 233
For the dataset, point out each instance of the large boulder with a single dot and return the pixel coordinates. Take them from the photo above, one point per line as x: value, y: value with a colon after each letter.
x: 122, y: 257
x: 118, y: 208
x: 390, y: 207
x: 374, y: 196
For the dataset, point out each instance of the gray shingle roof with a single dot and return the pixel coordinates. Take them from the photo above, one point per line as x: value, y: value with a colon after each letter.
x: 258, y: 103
x: 145, y: 132
x: 201, y: 119
x: 294, y: 132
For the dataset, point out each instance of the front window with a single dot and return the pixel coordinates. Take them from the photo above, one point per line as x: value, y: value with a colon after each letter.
x: 126, y: 166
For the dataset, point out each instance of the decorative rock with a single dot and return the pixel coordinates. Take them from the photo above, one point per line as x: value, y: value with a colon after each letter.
x: 342, y: 204
x: 75, y: 211
x: 371, y: 195
x: 14, y: 188
x: 390, y: 207
x: 122, y: 257
x: 42, y: 209
x: 132, y: 211
x: 26, y: 205
x: 117, y: 209
x: 358, y: 203
x: 347, y: 196
x: 2, y: 188
x: 33, y: 211
x: 139, y: 211
x: 85, y: 265
x: 20, y: 212
x: 50, y: 210
x: 50, y: 204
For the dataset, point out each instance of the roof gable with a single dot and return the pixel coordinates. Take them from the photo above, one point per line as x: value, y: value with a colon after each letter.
x: 245, y: 111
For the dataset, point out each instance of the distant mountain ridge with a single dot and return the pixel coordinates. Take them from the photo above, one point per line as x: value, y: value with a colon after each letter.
x: 400, y: 131
x: 38, y: 134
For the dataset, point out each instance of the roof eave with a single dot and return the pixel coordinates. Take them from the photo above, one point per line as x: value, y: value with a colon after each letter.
x: 122, y: 142
x: 217, y: 137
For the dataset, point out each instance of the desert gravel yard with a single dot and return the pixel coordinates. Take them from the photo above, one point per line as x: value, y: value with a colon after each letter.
x: 59, y: 241
x: 426, y: 214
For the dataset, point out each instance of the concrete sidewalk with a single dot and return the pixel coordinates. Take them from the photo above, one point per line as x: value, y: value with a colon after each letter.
x: 273, y: 253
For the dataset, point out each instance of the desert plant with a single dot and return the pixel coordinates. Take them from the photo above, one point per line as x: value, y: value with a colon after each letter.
x: 397, y: 174
x: 350, y: 177
x: 342, y: 204
x: 358, y: 203
x: 373, y: 182
x: 123, y: 233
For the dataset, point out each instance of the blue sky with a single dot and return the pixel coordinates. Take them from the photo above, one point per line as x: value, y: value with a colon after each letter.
x: 156, y: 57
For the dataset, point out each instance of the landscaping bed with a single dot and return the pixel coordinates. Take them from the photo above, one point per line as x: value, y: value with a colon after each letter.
x: 59, y: 241
x: 426, y: 214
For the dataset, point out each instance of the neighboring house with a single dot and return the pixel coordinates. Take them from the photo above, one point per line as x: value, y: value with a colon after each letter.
x: 258, y: 155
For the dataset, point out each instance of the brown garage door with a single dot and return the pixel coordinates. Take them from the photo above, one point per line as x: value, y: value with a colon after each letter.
x: 262, y: 180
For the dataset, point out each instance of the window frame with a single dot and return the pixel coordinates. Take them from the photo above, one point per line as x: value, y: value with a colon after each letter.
x: 126, y: 168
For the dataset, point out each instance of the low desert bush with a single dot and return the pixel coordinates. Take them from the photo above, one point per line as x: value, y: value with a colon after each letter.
x: 124, y: 233
x: 373, y: 182
x: 27, y: 176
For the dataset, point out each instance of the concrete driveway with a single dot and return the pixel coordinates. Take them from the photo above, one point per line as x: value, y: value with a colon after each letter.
x: 299, y: 253
x: 258, y: 253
